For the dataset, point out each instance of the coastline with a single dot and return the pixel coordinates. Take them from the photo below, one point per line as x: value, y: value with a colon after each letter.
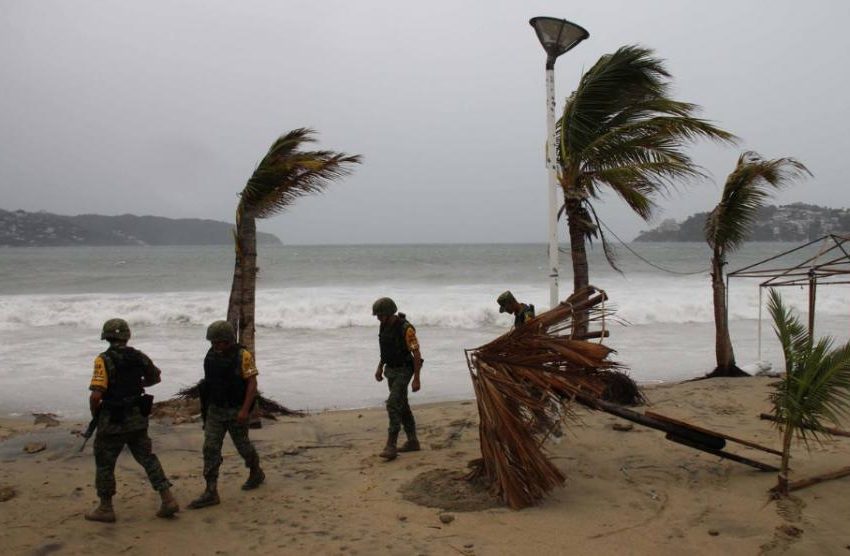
x: 328, y: 492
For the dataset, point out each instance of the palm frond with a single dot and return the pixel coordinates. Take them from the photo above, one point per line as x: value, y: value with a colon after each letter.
x: 621, y: 129
x: 524, y: 382
x: 746, y: 191
x: 287, y: 172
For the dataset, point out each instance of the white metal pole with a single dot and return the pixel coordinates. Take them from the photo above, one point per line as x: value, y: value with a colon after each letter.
x: 551, y: 165
x: 759, y: 342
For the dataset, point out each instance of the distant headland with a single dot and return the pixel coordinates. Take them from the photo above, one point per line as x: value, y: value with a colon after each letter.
x: 42, y: 229
x: 794, y: 222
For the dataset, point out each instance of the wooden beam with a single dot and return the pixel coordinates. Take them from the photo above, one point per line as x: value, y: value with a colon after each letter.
x: 715, y: 433
x: 803, y: 483
x: 720, y: 453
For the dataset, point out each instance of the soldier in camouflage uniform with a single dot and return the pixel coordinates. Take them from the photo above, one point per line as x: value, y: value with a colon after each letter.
x: 522, y: 312
x: 227, y: 396
x: 400, y: 362
x: 121, y: 408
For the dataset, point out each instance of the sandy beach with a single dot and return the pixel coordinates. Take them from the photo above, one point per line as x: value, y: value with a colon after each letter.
x: 327, y: 492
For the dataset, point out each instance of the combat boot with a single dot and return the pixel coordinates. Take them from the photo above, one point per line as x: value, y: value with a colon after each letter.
x: 390, y: 451
x: 103, y: 512
x: 169, y: 505
x: 255, y: 478
x: 208, y: 498
x: 411, y: 444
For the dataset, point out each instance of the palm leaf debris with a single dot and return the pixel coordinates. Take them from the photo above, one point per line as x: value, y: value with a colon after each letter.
x: 267, y: 407
x: 524, y: 382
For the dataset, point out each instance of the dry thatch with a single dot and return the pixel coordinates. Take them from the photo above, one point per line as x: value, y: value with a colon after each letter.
x: 524, y: 382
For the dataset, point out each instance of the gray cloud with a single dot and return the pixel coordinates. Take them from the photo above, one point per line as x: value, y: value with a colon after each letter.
x: 165, y: 107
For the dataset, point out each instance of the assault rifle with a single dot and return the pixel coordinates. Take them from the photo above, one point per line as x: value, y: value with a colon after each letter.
x: 90, y: 429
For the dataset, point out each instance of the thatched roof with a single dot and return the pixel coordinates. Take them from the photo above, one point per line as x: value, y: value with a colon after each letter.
x: 524, y: 383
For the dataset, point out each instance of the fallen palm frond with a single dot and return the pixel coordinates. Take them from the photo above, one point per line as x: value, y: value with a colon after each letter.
x: 524, y: 382
x: 267, y: 407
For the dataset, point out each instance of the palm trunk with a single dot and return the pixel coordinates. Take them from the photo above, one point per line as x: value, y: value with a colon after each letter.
x: 724, y: 354
x: 578, y: 253
x: 247, y: 239
x: 782, y: 480
x: 234, y: 302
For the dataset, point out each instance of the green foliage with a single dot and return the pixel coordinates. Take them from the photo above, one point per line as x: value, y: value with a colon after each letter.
x: 621, y: 130
x: 287, y: 172
x: 746, y: 190
x: 816, y: 387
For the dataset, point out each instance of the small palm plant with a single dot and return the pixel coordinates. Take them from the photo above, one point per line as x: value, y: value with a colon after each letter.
x: 816, y: 386
x: 286, y: 173
x: 729, y: 224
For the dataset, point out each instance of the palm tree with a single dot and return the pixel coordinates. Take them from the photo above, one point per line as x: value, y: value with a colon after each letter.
x: 623, y: 132
x: 729, y: 224
x: 816, y: 386
x: 286, y: 173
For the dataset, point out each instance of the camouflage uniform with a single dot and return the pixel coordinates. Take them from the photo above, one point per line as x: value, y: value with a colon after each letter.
x: 398, y: 408
x: 223, y: 407
x: 119, y: 427
x: 221, y: 420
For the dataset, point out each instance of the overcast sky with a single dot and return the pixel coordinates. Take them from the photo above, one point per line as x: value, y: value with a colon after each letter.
x: 165, y: 107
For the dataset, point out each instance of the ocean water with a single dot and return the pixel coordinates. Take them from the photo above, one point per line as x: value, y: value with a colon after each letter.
x: 316, y: 337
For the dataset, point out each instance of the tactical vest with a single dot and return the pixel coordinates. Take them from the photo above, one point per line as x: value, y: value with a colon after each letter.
x: 125, y: 372
x: 223, y: 377
x: 524, y: 314
x: 394, y: 351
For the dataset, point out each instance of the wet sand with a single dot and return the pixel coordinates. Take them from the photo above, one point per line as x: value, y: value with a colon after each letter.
x: 327, y: 492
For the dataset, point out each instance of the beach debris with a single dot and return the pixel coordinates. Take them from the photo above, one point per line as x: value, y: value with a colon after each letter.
x: 185, y: 406
x: 525, y: 382
x: 446, y: 518
x: 7, y: 493
x: 622, y: 427
x: 713, y: 532
x: 817, y: 479
x: 689, y: 435
x: 46, y: 419
x: 34, y: 447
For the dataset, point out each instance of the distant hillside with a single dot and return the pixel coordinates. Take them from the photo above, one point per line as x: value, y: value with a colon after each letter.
x: 794, y: 222
x: 36, y: 229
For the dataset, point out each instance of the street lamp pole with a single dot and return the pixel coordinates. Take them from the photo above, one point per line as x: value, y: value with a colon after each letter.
x: 557, y: 37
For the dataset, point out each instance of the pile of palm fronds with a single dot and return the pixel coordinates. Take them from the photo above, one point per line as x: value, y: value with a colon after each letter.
x: 266, y: 407
x: 524, y: 383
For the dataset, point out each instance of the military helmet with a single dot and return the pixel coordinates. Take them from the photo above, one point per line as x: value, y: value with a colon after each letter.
x: 507, y: 298
x: 221, y: 331
x: 384, y: 307
x: 115, y: 329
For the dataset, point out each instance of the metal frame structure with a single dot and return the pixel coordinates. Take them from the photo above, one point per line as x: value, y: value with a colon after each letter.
x: 830, y: 266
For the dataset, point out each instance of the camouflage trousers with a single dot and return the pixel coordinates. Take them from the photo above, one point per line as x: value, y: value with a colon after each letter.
x: 107, y: 448
x: 398, y: 408
x: 222, y: 420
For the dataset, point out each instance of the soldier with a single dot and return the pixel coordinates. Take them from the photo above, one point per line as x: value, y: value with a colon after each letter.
x: 522, y: 312
x: 227, y: 395
x: 119, y: 404
x: 400, y: 362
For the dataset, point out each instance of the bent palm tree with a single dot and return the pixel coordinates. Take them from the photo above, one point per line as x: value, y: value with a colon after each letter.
x: 621, y: 131
x: 728, y: 225
x: 285, y: 174
x: 816, y: 386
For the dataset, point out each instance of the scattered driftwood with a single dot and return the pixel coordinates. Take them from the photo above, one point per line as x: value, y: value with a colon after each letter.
x: 817, y: 479
x: 829, y: 430
x: 524, y: 382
